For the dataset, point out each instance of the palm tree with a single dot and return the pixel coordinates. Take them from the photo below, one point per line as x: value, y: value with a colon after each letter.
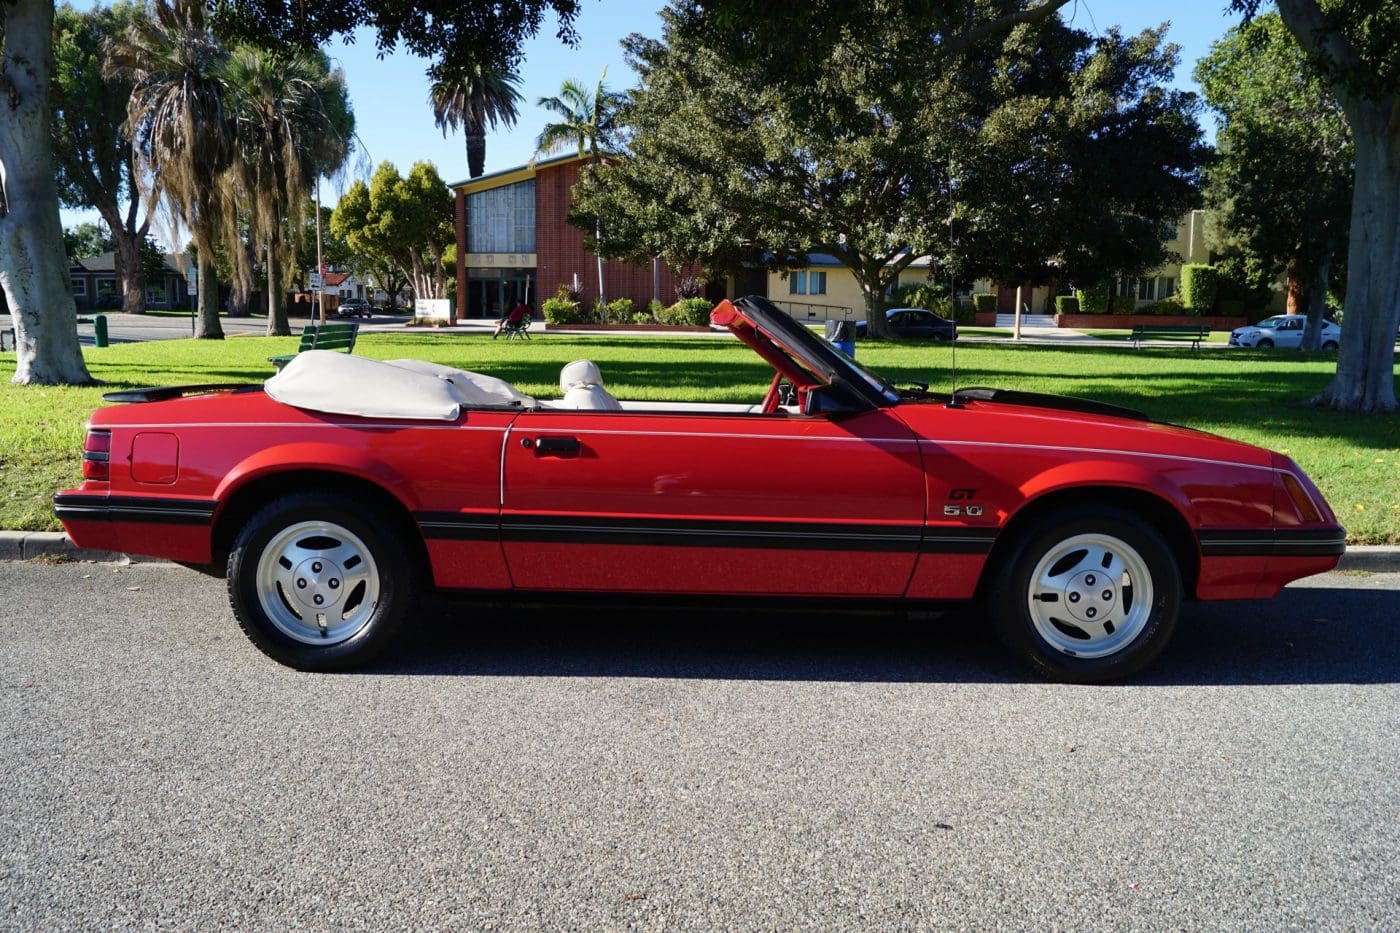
x: 588, y: 119
x: 180, y: 127
x: 293, y: 124
x: 475, y: 98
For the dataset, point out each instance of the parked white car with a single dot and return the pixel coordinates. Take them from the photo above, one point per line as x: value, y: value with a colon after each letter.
x: 1283, y: 330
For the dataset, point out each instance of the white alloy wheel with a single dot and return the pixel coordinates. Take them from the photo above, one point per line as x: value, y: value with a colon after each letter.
x: 318, y: 583
x: 1090, y: 596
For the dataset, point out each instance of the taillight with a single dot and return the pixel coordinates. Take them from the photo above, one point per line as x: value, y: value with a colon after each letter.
x: 1307, y: 509
x: 97, y: 455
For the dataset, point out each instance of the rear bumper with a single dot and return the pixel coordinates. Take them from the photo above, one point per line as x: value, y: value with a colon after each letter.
x: 175, y: 529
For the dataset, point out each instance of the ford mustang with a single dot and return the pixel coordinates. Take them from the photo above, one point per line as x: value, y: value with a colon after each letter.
x: 333, y: 494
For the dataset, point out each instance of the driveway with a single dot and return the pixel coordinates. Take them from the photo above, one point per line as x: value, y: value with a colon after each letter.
x: 581, y: 767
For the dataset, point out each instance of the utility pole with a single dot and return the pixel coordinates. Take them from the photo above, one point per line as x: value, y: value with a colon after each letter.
x: 320, y: 266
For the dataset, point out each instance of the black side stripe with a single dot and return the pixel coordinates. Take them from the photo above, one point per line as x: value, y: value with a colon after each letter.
x: 1284, y: 542
x: 134, y: 509
x: 709, y: 533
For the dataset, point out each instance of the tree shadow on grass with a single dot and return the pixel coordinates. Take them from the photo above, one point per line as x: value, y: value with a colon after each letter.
x: 1307, y: 636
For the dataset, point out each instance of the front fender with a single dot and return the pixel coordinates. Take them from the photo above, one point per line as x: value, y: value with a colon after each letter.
x: 1082, y: 474
x: 320, y: 457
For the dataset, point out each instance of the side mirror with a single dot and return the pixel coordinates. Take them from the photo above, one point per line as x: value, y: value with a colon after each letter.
x: 827, y: 400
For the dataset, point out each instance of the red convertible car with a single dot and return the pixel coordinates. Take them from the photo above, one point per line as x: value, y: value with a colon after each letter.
x: 333, y: 494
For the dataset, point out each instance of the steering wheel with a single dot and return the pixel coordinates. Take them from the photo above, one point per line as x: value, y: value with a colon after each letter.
x: 772, y: 397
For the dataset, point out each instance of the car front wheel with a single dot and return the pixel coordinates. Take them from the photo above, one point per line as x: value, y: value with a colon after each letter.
x: 1265, y: 344
x: 1087, y: 597
x: 318, y: 582
x: 1329, y: 345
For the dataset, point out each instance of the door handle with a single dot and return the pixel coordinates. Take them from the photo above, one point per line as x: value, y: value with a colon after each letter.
x: 557, y: 445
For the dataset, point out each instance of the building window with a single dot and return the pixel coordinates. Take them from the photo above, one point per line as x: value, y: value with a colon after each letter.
x: 1146, y: 289
x: 1127, y: 286
x: 797, y: 283
x: 155, y: 294
x: 80, y: 288
x: 1166, y: 287
x: 106, y: 287
x: 816, y: 283
x: 502, y: 220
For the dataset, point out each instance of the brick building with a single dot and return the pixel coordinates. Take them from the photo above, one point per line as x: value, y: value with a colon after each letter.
x: 514, y: 234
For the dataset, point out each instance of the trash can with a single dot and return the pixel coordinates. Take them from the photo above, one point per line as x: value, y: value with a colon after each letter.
x: 842, y: 335
x: 99, y: 330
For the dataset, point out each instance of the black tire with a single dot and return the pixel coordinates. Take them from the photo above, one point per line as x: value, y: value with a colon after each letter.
x: 1022, y: 629
x: 1265, y: 344
x: 1329, y: 345
x: 323, y: 527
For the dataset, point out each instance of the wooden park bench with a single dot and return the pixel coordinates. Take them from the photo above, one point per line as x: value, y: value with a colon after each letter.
x: 337, y: 336
x: 1192, y: 332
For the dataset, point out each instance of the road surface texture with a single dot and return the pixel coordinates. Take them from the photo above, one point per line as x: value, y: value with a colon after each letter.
x: 594, y: 767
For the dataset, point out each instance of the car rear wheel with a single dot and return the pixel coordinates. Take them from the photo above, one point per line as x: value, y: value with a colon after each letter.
x: 1265, y: 344
x: 1087, y: 596
x: 318, y: 582
x: 1329, y: 344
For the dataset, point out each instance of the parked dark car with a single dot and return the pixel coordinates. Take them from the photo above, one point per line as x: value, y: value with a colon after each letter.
x: 916, y: 324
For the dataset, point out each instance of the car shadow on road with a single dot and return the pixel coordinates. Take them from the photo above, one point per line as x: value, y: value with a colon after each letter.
x: 1307, y: 636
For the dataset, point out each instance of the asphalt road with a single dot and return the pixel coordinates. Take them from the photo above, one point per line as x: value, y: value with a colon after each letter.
x: 589, y: 767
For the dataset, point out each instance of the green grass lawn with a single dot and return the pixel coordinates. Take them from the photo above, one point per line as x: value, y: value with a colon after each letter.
x: 1251, y: 396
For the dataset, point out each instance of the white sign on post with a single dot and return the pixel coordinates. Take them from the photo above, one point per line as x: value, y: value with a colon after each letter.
x: 315, y: 280
x: 433, y: 309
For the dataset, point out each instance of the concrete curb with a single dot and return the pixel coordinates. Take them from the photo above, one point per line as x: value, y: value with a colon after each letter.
x: 27, y: 545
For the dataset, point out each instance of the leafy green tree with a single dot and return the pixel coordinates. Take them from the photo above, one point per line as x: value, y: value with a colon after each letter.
x: 85, y: 240
x: 95, y: 160
x: 587, y: 119
x: 1009, y: 126
x: 1353, y: 45
x: 293, y: 123
x: 179, y: 117
x: 33, y: 274
x: 400, y: 221
x: 1281, y: 187
x: 473, y: 98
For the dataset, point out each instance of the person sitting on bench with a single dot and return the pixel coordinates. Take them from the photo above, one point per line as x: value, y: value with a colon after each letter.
x: 517, y: 314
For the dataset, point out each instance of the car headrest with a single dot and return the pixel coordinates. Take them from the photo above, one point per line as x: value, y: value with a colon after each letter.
x: 580, y: 373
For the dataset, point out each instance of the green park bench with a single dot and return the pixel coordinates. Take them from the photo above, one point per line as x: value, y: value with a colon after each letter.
x: 338, y: 336
x: 9, y: 332
x: 1192, y: 332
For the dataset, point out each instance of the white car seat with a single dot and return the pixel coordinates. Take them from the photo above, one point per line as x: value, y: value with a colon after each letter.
x: 582, y: 385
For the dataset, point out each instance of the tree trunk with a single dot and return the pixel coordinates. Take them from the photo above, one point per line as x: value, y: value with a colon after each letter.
x: 129, y: 271
x: 872, y: 288
x: 1296, y: 301
x: 33, y: 263
x: 207, y: 327
x: 277, y: 323
x: 1365, y: 379
x: 476, y: 151
x: 1317, y: 305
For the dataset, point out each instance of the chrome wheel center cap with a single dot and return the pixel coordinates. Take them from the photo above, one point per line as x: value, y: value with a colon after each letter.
x: 318, y: 584
x: 1091, y: 596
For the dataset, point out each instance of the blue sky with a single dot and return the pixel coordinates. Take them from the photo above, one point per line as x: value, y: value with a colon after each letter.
x: 390, y: 95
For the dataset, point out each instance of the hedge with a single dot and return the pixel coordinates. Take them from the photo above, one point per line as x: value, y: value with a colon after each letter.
x: 1095, y: 298
x: 984, y: 304
x: 688, y: 312
x: 1199, y: 285
x: 1066, y: 304
x: 1124, y: 304
x: 561, y: 311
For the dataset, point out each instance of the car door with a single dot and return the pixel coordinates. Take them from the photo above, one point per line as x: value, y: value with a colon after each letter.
x: 1290, y: 333
x: 712, y: 503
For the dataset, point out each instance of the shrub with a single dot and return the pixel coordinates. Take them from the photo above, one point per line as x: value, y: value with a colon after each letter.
x: 1230, y: 307
x: 654, y: 309
x: 926, y: 295
x: 964, y: 313
x: 1163, y: 308
x: 642, y: 317
x: 561, y: 310
x: 567, y: 292
x: 688, y: 312
x: 1199, y: 285
x: 1095, y: 298
x: 984, y: 304
x: 1066, y: 304
x: 1124, y: 304
x: 687, y: 288
x: 618, y: 311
